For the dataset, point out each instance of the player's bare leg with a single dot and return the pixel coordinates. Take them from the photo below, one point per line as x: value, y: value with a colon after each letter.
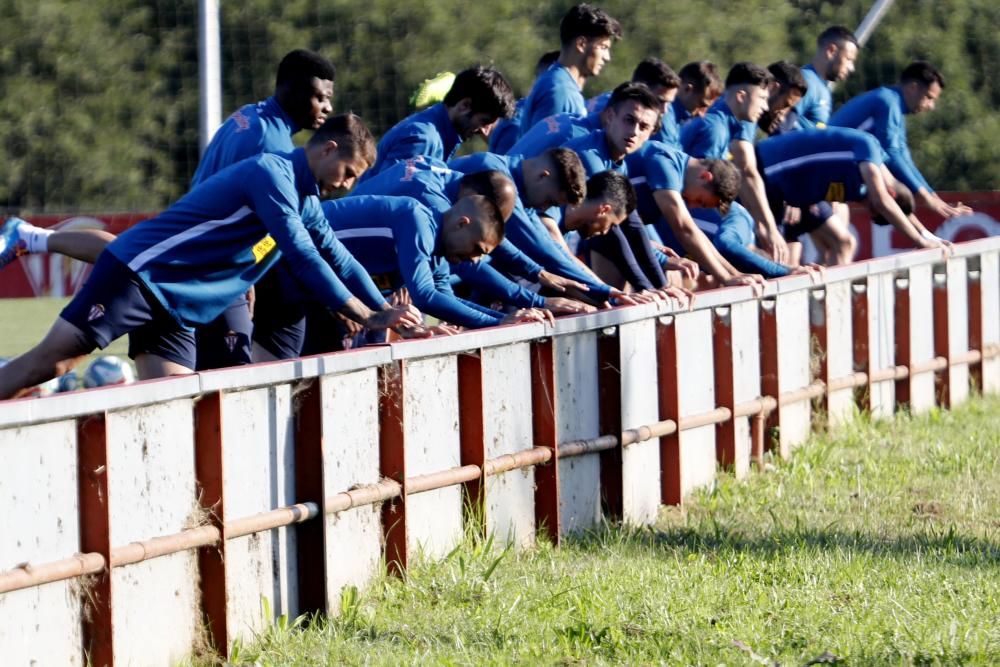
x: 59, y: 352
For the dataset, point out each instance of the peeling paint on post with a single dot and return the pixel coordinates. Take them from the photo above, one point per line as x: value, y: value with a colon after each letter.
x: 392, y: 443
x: 543, y: 418
x: 95, y: 537
x: 212, y: 559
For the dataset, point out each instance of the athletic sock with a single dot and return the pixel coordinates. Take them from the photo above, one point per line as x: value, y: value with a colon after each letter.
x: 36, y: 239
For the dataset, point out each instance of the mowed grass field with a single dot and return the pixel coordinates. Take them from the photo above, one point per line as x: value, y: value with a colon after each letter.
x: 24, y: 322
x: 877, y: 545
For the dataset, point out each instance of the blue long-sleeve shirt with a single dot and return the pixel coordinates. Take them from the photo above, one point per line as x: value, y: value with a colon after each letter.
x: 553, y: 132
x: 434, y: 185
x: 657, y: 166
x: 733, y: 239
x: 710, y: 135
x: 505, y: 134
x: 206, y: 250
x: 813, y: 110
x: 428, y: 133
x: 555, y: 91
x: 399, y: 236
x: 524, y: 226
x: 881, y: 112
x: 253, y: 129
x: 803, y: 168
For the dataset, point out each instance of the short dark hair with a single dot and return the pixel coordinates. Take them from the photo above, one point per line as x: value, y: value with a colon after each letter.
x: 637, y: 92
x: 923, y: 72
x: 655, y: 72
x: 492, y: 184
x: 490, y: 218
x: 570, y: 173
x: 486, y: 88
x: 353, y: 137
x: 747, y: 73
x: 725, y: 181
x: 788, y: 76
x: 588, y: 21
x: 545, y: 61
x: 904, y: 199
x: 702, y: 75
x: 613, y: 188
x: 836, y: 34
x: 298, y: 68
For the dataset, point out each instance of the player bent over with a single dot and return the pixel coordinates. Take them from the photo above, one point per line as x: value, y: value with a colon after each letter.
x: 182, y: 268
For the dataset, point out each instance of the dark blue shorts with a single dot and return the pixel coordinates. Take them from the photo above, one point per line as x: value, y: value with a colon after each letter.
x: 114, y: 302
x: 812, y: 219
x: 225, y: 341
x: 279, y: 314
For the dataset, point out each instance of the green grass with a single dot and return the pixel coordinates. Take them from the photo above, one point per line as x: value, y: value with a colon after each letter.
x: 879, y: 544
x: 24, y: 322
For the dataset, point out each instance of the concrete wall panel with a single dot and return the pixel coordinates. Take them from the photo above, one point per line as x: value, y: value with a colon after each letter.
x: 697, y: 396
x: 640, y: 406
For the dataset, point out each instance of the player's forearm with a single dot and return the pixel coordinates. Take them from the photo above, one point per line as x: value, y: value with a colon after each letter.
x: 355, y: 310
x: 701, y: 249
x: 753, y: 197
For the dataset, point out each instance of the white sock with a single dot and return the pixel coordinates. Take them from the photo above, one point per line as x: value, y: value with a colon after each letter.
x: 35, y: 238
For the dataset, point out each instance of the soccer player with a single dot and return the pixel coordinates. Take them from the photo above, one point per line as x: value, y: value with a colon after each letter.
x: 729, y: 127
x: 182, y: 268
x: 507, y: 130
x: 838, y: 165
x: 882, y: 113
x: 478, y: 98
x: 663, y: 83
x: 700, y: 86
x: 667, y: 181
x: 585, y: 34
x: 836, y: 51
x: 302, y: 99
x: 406, y: 244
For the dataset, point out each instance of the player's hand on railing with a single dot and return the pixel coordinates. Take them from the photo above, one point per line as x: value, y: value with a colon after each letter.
x: 753, y: 280
x: 814, y: 271
x: 774, y: 244
x: 395, y: 316
x: 689, y: 268
x: 558, y: 283
x: 619, y: 298
x: 529, y: 315
x: 683, y: 296
x: 563, y: 306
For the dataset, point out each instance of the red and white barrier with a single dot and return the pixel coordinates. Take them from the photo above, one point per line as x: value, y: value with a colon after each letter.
x: 193, y: 499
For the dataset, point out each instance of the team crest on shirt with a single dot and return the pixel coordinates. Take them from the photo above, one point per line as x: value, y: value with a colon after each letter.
x: 242, y: 122
x: 96, y: 312
x: 231, y: 338
x: 552, y: 123
x: 836, y: 192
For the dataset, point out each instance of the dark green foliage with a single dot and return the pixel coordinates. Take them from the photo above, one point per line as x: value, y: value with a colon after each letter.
x: 100, y: 98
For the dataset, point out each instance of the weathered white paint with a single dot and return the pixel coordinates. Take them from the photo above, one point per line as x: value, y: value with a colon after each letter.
x: 697, y: 396
x: 510, y: 497
x: 640, y: 406
x: 836, y: 308
x: 745, y: 320
x: 258, y: 476
x: 38, y: 485
x: 430, y: 406
x: 958, y: 327
x: 577, y: 418
x: 989, y: 280
x: 351, y: 457
x: 151, y: 492
x: 920, y: 289
x: 882, y: 340
x: 794, y: 366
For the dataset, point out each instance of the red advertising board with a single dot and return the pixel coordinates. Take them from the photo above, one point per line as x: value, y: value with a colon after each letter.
x: 55, y: 275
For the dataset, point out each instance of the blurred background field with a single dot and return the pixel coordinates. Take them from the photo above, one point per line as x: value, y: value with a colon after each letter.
x: 100, y: 98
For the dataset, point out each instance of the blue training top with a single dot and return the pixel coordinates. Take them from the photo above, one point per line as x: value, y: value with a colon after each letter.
x: 813, y: 110
x: 263, y: 127
x: 555, y: 131
x: 436, y: 186
x: 595, y: 154
x: 505, y: 134
x: 399, y: 235
x: 880, y: 112
x: 656, y: 166
x: 524, y: 227
x: 669, y: 132
x: 205, y: 251
x: 555, y: 91
x: 428, y: 133
x: 710, y: 135
x: 733, y: 239
x: 803, y: 168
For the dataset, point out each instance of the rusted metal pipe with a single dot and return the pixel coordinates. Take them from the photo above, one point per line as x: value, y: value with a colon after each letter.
x: 970, y: 357
x: 277, y: 518
x: 851, y: 381
x: 522, y: 459
x: 891, y: 373
x: 370, y: 494
x: 30, y: 575
x: 580, y: 447
x: 930, y: 366
x: 136, y: 552
x: 716, y: 416
x: 646, y: 432
x: 439, y: 480
x: 760, y: 405
x: 809, y: 392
